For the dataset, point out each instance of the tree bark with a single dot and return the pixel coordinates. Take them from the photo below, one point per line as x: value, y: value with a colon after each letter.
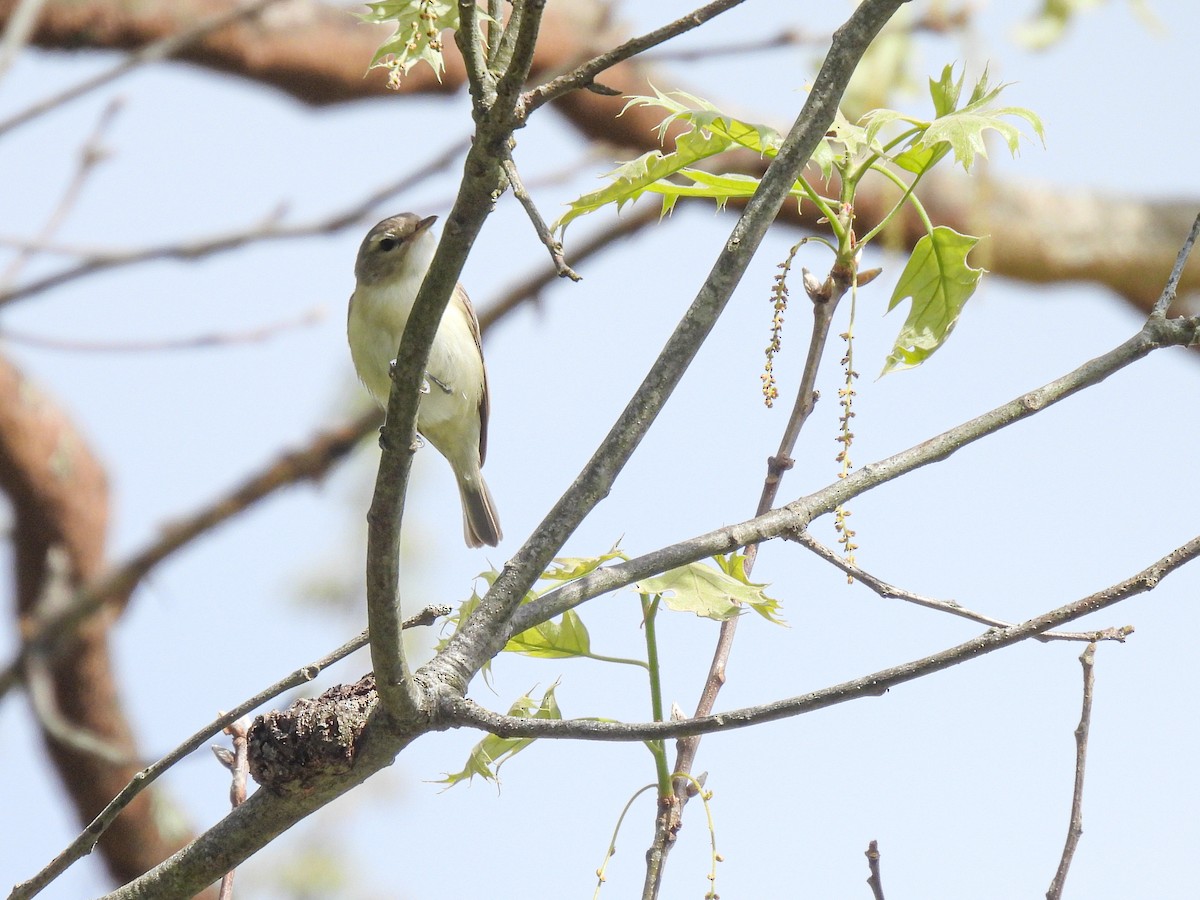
x: 59, y: 497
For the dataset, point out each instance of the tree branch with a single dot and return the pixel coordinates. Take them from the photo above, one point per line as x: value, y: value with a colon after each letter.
x: 85, y: 842
x: 461, y: 712
x: 584, y: 75
x: 480, y: 637
x: 1075, y: 829
x: 268, y: 230
x: 891, y: 592
x: 483, y: 180
x: 795, y: 516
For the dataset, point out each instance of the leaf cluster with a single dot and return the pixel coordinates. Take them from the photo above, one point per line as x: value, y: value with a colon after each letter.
x: 900, y: 147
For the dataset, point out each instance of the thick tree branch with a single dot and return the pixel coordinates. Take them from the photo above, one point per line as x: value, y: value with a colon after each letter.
x: 83, y: 844
x: 483, y: 181
x: 59, y: 498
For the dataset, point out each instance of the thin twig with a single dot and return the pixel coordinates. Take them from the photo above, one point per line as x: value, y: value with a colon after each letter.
x: 199, y: 341
x: 83, y: 844
x: 1075, y: 829
x: 891, y: 592
x: 311, y: 462
x: 91, y: 154
x: 458, y: 711
x: 268, y: 230
x: 531, y: 287
x: 539, y: 224
x: 788, y: 37
x: 238, y: 764
x: 56, y: 593
x: 875, y: 880
x: 584, y: 75
x: 823, y: 307
x: 159, y: 50
x: 1167, y: 297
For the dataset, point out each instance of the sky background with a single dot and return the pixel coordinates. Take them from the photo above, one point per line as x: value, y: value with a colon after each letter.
x: 964, y: 777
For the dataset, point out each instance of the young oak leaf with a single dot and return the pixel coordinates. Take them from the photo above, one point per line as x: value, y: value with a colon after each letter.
x: 940, y: 281
x: 708, y: 591
x: 486, y: 757
x: 710, y: 132
x: 953, y: 129
x: 563, y: 639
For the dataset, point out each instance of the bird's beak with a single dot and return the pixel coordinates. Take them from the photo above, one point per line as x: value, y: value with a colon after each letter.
x: 425, y: 223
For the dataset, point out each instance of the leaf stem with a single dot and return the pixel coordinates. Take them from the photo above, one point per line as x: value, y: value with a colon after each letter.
x: 657, y: 749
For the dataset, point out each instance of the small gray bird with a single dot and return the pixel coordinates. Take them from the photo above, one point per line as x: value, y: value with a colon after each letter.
x: 453, y: 415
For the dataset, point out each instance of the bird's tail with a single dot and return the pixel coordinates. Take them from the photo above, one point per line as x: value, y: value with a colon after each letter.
x: 480, y: 523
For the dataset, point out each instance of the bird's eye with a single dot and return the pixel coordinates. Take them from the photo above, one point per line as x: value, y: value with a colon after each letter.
x: 388, y: 243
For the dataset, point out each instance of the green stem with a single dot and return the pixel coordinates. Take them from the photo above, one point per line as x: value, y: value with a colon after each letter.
x: 657, y: 748
x: 823, y: 205
x: 856, y: 175
x: 615, y: 659
x: 908, y: 197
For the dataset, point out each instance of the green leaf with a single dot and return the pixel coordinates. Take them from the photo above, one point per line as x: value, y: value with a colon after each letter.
x: 562, y: 639
x: 417, y: 38
x: 708, y: 591
x: 486, y: 758
x: 720, y: 188
x: 939, y: 281
x: 709, y: 132
x: 734, y: 565
x: 704, y: 116
x: 961, y: 130
x: 568, y: 568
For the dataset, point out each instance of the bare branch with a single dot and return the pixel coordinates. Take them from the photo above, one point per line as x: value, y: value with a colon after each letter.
x: 199, y: 341
x: 539, y: 224
x: 875, y: 880
x: 824, y: 303
x: 91, y: 154
x: 155, y: 52
x: 1075, y: 829
x: 483, y: 179
x: 267, y: 230
x: 239, y: 769
x: 584, y: 75
x: 531, y: 287
x: 458, y: 711
x: 891, y: 592
x: 1168, y: 295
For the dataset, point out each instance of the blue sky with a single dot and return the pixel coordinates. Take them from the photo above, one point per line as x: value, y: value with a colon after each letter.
x: 964, y: 777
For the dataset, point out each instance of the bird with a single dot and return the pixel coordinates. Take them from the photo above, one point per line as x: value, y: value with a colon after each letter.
x: 392, y: 262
